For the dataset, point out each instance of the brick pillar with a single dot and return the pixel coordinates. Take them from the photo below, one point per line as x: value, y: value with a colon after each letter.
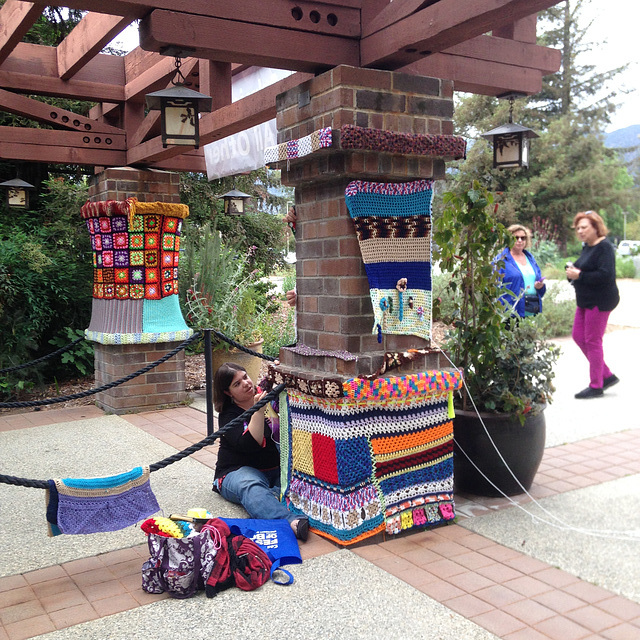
x: 334, y: 305
x: 164, y: 384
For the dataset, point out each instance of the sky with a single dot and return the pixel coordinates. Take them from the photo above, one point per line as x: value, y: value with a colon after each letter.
x: 615, y: 34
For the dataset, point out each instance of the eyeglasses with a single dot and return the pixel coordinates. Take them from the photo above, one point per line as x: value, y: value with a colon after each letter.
x: 523, y: 238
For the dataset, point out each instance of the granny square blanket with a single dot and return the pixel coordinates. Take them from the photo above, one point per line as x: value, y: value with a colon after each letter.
x: 136, y: 250
x: 393, y: 226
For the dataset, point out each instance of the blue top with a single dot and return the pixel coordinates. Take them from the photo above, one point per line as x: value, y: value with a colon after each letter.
x: 513, y: 279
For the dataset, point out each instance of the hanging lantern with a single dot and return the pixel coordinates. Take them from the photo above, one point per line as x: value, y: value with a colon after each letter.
x: 510, y: 142
x: 17, y: 193
x: 179, y: 109
x: 234, y: 202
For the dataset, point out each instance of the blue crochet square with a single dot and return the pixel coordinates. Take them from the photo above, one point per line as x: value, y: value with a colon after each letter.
x: 354, y: 460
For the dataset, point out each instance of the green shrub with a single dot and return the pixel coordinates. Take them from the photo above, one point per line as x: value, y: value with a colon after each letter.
x: 625, y: 268
x: 47, y: 276
x: 558, y: 311
x: 79, y: 359
x: 289, y: 282
x: 278, y: 329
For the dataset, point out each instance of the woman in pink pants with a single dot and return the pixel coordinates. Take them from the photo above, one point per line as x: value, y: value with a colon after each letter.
x: 593, y: 277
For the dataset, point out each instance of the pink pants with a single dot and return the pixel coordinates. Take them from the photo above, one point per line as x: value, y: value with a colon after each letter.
x: 588, y: 330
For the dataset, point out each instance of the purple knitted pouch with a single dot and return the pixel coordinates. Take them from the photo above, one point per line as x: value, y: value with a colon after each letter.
x: 93, y: 505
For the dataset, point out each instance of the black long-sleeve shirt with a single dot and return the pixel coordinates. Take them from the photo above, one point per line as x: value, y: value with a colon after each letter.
x: 596, y: 286
x: 238, y: 448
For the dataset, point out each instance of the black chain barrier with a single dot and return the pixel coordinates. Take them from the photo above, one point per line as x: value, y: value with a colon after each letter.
x: 51, y: 355
x: 237, y: 345
x: 43, y: 484
x: 110, y: 385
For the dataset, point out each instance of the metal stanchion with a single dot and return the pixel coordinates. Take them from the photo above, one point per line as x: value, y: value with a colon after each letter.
x: 208, y: 367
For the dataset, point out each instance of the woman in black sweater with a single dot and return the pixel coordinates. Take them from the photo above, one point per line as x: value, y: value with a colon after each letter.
x: 248, y: 466
x: 594, y: 279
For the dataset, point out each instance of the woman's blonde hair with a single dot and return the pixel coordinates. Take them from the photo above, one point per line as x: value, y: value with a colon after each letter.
x: 596, y: 222
x: 520, y: 227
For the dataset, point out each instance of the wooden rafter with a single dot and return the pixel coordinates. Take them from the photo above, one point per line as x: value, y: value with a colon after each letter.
x: 47, y: 114
x: 441, y: 38
x: 439, y: 26
x: 16, y: 18
x: 254, y: 44
x: 94, y: 32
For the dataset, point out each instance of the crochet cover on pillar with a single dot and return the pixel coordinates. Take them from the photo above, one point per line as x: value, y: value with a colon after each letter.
x: 377, y: 458
x: 393, y: 226
x: 136, y: 249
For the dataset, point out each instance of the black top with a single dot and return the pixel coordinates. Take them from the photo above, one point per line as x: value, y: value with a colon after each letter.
x: 238, y: 448
x: 596, y: 286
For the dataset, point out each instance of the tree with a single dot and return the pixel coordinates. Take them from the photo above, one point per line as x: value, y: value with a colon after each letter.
x: 570, y: 168
x: 575, y: 88
x: 261, y: 226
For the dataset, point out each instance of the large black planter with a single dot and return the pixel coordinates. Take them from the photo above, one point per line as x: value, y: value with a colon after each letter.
x: 521, y: 446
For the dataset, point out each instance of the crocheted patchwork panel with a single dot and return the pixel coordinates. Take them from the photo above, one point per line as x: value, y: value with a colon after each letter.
x: 135, y: 261
x: 393, y: 227
x: 358, y: 467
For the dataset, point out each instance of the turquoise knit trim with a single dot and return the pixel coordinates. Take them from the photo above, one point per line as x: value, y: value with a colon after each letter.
x: 162, y: 315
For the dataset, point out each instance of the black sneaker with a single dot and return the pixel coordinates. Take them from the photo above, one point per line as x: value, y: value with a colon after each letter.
x: 589, y: 392
x: 610, y: 381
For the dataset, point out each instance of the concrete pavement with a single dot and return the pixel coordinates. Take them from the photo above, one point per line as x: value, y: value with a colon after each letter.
x: 565, y: 566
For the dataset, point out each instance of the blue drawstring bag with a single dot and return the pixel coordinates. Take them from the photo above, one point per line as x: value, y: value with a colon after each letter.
x: 275, y: 537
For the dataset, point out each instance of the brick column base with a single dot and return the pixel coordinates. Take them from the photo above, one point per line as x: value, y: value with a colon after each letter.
x: 163, y: 385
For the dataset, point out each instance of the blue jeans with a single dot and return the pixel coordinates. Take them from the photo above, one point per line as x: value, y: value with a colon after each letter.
x: 258, y: 492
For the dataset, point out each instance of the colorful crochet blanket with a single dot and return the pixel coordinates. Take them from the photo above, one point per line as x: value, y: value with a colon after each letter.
x: 136, y: 249
x: 93, y: 505
x: 393, y: 226
x: 378, y: 460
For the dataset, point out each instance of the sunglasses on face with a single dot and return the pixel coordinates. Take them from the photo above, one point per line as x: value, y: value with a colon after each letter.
x: 523, y: 238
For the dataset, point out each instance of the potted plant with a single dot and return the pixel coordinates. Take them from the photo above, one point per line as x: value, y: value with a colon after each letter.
x: 508, y: 369
x: 225, y: 295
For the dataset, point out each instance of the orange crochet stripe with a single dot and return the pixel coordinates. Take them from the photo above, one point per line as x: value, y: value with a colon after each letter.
x: 346, y: 543
x: 410, y: 440
x: 382, y: 457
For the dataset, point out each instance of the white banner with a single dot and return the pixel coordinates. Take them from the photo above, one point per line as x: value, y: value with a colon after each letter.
x: 244, y: 151
x: 240, y: 152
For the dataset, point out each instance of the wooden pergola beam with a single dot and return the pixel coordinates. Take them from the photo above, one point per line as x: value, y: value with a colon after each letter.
x: 55, y: 116
x: 339, y: 18
x: 511, y: 52
x: 475, y: 76
x: 254, y: 44
x: 439, y: 26
x: 16, y: 18
x: 94, y: 32
x: 46, y: 145
x: 33, y: 68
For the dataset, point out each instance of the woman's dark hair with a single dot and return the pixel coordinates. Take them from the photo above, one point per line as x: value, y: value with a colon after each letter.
x: 222, y: 381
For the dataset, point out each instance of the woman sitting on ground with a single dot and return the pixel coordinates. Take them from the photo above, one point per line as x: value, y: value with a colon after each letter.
x: 248, y: 467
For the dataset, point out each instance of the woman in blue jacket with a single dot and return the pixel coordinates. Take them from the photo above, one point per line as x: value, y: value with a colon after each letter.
x: 521, y: 275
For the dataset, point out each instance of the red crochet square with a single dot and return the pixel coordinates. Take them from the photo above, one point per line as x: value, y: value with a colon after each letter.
x: 152, y: 292
x: 171, y: 225
x: 151, y: 240
x: 325, y: 464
